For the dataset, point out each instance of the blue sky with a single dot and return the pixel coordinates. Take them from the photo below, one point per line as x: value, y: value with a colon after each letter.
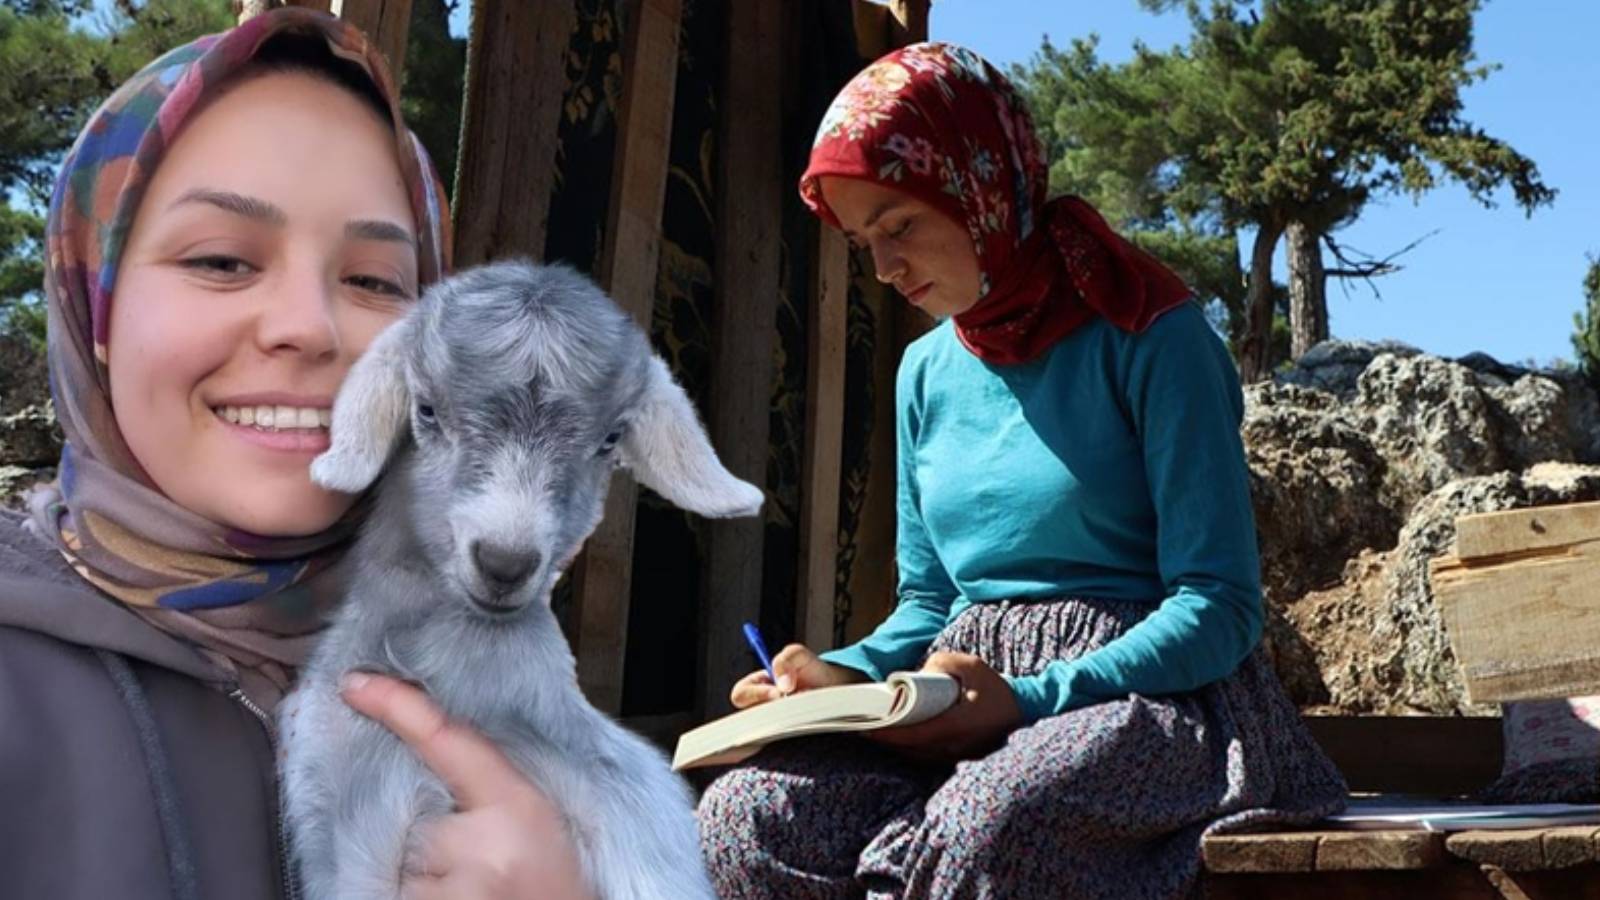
x: 1491, y: 279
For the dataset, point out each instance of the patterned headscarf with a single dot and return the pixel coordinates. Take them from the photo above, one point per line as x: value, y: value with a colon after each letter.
x: 937, y: 122
x: 251, y: 603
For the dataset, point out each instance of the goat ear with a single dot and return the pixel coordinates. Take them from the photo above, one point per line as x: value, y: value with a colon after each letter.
x: 372, y: 406
x: 667, y: 449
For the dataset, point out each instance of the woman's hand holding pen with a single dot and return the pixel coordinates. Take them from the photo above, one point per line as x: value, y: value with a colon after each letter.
x: 979, y: 722
x: 797, y: 669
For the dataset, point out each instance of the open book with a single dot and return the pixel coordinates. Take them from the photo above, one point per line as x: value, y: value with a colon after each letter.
x: 906, y: 698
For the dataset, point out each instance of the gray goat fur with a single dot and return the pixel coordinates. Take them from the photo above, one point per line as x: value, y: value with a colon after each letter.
x: 500, y: 403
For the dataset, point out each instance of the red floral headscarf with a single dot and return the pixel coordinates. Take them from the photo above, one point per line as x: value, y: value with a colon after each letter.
x: 937, y: 122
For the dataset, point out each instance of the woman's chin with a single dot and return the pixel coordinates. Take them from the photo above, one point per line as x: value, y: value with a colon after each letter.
x: 284, y: 514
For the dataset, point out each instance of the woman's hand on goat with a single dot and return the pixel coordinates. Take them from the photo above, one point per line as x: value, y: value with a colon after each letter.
x: 798, y: 669
x: 983, y: 715
x: 505, y: 839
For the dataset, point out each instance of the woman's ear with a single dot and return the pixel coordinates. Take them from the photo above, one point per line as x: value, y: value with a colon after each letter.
x: 373, y: 405
x: 668, y: 451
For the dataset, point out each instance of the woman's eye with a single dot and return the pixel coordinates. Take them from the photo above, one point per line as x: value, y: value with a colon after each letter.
x: 375, y: 285
x: 901, y: 230
x: 218, y: 264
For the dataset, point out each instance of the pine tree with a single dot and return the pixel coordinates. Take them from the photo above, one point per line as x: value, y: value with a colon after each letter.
x: 1586, y: 325
x: 1284, y: 117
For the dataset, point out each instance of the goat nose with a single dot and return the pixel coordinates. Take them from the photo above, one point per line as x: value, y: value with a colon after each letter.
x: 503, y: 569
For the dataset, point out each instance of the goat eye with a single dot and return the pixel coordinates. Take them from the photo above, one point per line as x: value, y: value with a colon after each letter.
x: 610, y: 443
x: 425, y: 412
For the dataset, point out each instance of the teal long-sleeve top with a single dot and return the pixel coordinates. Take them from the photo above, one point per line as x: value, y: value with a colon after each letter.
x: 1109, y: 467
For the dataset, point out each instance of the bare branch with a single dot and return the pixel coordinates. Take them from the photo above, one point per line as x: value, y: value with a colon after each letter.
x: 1355, y: 264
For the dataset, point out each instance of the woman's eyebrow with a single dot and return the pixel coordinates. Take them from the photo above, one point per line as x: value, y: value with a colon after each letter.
x: 238, y: 204
x: 877, y: 213
x: 882, y: 208
x: 378, y: 230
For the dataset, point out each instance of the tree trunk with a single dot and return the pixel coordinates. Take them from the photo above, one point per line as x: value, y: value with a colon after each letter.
x: 1308, y: 290
x: 1256, y: 348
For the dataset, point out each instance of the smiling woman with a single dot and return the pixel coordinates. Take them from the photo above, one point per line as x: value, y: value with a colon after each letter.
x: 232, y: 229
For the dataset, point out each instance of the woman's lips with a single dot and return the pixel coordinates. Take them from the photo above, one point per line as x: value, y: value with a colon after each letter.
x: 295, y: 440
x: 917, y: 296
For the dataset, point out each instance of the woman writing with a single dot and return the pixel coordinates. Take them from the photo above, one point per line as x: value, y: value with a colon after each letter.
x: 1075, y: 545
x: 231, y: 229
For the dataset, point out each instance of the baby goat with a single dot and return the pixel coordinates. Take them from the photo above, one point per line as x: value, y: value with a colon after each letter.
x: 505, y: 398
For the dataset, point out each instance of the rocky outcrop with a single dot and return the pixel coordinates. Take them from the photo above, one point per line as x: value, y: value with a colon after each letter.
x: 1362, y: 457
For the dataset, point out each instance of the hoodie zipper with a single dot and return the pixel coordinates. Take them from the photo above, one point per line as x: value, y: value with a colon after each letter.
x: 280, y: 838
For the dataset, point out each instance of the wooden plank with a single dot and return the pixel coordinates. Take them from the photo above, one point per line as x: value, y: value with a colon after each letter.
x: 1517, y: 850
x: 603, y: 576
x: 749, y: 206
x: 385, y: 22
x: 1459, y: 881
x: 1571, y: 846
x: 1421, y: 755
x: 1521, y: 530
x: 1293, y: 851
x: 824, y: 437
x: 1523, y: 850
x: 516, y: 58
x: 1524, y: 627
x: 1379, y: 850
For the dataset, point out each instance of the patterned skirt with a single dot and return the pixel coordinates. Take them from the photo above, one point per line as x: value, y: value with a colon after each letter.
x: 1109, y: 801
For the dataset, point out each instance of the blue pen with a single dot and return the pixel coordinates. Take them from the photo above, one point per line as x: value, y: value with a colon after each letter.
x: 752, y: 634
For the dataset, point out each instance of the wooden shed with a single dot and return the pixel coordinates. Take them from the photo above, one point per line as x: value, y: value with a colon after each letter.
x: 656, y: 144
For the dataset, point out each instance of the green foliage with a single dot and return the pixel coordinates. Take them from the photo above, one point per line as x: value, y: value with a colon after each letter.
x: 1275, y: 111
x: 48, y: 71
x: 1586, y: 325
x: 434, y: 82
x: 58, y: 60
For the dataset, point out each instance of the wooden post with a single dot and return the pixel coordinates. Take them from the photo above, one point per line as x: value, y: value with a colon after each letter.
x: 749, y: 207
x: 516, y: 58
x: 1520, y: 602
x: 911, y: 21
x: 603, y: 575
x: 824, y: 438
x: 385, y: 22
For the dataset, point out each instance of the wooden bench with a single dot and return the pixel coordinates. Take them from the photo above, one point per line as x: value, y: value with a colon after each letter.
x: 1425, y: 756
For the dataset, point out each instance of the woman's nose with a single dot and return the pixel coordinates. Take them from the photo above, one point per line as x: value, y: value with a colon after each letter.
x: 298, y: 317
x: 887, y: 265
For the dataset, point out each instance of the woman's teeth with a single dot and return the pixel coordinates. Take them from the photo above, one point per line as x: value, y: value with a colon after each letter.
x: 276, y: 418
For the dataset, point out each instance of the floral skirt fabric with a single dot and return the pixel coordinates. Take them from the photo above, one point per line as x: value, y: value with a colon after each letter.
x: 1109, y: 801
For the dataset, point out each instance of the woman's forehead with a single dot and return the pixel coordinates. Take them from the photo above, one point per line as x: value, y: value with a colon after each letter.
x: 286, y: 144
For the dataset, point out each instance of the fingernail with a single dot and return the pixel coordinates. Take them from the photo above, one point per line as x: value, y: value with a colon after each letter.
x: 786, y: 683
x: 354, y: 681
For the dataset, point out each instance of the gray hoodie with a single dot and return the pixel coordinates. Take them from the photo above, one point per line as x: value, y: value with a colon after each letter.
x: 130, y: 768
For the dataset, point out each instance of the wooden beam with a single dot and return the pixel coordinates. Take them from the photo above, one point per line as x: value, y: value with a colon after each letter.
x: 603, y: 575
x: 749, y: 208
x: 516, y: 73
x: 386, y: 23
x: 1526, y: 624
x: 910, y: 21
x: 824, y: 437
x: 1527, y: 849
x: 1518, y: 531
